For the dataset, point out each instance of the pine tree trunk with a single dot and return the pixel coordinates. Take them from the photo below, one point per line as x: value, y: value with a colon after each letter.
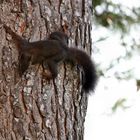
x: 32, y: 108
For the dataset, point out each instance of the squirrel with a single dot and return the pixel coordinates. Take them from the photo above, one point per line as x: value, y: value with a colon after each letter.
x: 50, y: 52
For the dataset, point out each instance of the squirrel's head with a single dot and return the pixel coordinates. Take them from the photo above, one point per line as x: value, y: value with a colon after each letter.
x: 60, y: 36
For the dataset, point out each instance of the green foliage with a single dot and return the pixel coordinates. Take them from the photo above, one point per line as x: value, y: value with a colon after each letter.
x: 119, y: 104
x: 125, y: 20
x: 97, y: 2
x: 115, y: 16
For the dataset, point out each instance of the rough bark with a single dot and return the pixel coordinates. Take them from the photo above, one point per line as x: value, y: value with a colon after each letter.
x: 32, y: 108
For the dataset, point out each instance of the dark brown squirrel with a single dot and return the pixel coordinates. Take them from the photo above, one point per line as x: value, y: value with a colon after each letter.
x: 50, y: 52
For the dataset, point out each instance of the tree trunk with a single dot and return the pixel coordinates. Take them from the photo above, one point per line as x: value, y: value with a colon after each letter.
x: 32, y: 108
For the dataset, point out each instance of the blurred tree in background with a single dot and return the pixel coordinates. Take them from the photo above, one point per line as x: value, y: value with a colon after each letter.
x: 121, y: 19
x: 115, y: 15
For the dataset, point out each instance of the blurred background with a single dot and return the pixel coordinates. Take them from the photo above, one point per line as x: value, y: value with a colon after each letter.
x: 114, y: 109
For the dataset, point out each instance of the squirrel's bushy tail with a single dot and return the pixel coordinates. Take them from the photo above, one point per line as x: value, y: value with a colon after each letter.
x: 90, y: 76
